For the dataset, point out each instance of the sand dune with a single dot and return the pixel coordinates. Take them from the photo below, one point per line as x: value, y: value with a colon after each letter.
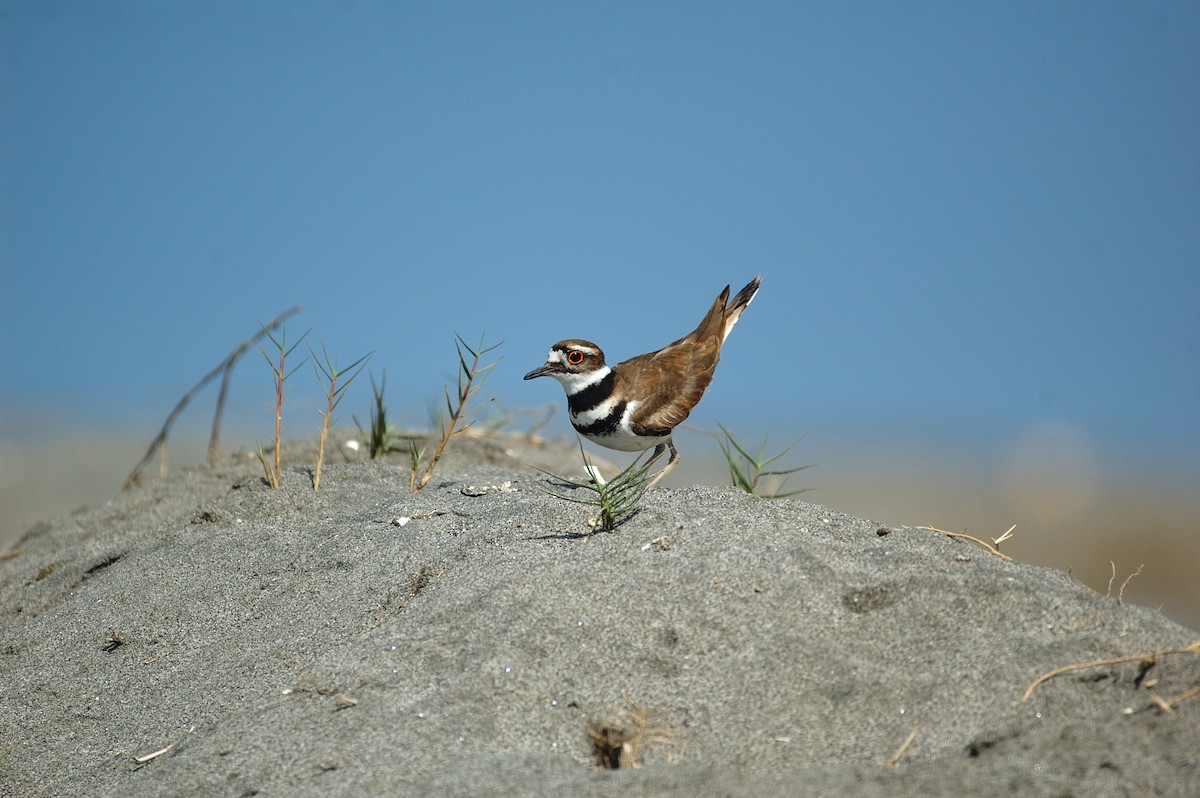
x: 207, y: 635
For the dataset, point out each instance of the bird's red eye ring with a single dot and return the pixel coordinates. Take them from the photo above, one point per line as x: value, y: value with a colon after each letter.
x: 574, y: 357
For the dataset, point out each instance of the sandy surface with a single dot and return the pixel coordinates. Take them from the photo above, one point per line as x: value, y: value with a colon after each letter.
x: 285, y: 642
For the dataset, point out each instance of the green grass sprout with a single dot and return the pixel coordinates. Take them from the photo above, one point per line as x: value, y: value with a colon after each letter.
x: 748, y: 472
x: 615, y: 499
x: 381, y: 436
x: 415, y: 453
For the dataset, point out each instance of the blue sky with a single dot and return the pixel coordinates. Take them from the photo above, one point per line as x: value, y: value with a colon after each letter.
x: 974, y: 218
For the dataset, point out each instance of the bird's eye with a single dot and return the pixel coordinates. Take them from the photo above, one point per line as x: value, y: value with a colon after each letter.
x: 574, y: 357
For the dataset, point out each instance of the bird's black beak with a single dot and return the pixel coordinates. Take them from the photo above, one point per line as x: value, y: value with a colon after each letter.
x: 544, y: 370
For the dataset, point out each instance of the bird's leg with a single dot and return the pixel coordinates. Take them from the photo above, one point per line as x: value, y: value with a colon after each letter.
x: 671, y: 463
x: 658, y: 450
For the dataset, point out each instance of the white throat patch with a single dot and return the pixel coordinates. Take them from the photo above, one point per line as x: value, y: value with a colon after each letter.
x: 574, y: 383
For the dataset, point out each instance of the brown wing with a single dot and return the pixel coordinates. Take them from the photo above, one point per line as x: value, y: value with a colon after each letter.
x: 681, y: 371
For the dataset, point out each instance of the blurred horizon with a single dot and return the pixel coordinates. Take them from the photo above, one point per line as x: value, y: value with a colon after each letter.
x: 1077, y: 519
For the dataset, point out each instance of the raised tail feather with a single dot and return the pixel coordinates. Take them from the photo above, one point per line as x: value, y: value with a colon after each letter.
x: 740, y: 303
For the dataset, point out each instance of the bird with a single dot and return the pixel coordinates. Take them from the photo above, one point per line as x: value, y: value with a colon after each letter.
x: 639, y: 402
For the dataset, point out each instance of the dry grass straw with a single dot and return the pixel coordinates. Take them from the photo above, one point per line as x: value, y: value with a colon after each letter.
x: 500, y: 422
x: 1148, y: 660
x: 1168, y: 704
x: 894, y: 758
x: 1121, y: 590
x: 621, y: 739
x: 273, y: 469
x: 225, y: 369
x: 141, y: 760
x: 330, y: 375
x: 991, y: 548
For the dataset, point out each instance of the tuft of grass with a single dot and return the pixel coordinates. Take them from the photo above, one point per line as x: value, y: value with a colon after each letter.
x: 381, y: 436
x: 617, y: 499
x: 330, y: 376
x: 471, y: 376
x: 280, y: 373
x: 748, y: 472
x: 621, y: 739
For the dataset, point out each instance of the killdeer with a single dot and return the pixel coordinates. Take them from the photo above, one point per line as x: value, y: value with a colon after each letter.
x: 637, y: 403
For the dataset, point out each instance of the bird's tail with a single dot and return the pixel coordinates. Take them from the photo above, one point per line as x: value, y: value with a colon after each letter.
x: 740, y: 302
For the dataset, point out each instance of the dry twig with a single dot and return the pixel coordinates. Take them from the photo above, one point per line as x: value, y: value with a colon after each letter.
x: 1128, y: 579
x: 225, y: 368
x: 330, y: 375
x: 620, y: 740
x: 274, y: 469
x: 1169, y: 704
x: 1149, y: 657
x: 912, y: 735
x: 993, y: 547
x: 141, y: 760
x: 470, y: 379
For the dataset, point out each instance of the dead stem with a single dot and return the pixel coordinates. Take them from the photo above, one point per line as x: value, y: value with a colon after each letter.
x: 470, y: 378
x: 1128, y: 579
x: 993, y: 547
x: 1170, y: 703
x: 621, y: 739
x: 141, y: 760
x: 912, y: 735
x: 225, y: 368
x: 1150, y: 657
